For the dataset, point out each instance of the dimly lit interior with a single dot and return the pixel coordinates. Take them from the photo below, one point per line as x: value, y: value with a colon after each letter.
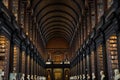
x: 59, y: 39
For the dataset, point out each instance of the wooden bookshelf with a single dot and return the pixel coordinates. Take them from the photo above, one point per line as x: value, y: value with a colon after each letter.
x: 28, y: 64
x: 100, y: 57
x: 4, y: 50
x: 15, y: 57
x: 92, y: 62
x: 23, y: 61
x: 112, y: 54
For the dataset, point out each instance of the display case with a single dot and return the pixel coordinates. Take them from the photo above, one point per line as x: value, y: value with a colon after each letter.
x: 112, y: 54
x: 4, y: 51
x: 6, y: 2
x: 100, y: 58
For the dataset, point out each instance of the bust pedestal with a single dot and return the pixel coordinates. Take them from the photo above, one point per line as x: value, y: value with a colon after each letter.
x: 13, y: 76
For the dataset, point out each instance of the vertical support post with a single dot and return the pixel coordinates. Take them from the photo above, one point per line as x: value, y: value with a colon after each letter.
x: 90, y: 72
x: 105, y: 58
x: 10, y: 63
x: 96, y: 61
x: 19, y: 62
x: 63, y: 77
x: 118, y: 36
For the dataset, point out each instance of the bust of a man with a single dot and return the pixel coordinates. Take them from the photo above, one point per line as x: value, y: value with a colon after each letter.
x: 88, y: 77
x: 93, y: 76
x: 80, y: 77
x: 83, y: 76
x: 23, y: 77
x: 102, y: 75
x: 28, y: 77
x: 117, y: 74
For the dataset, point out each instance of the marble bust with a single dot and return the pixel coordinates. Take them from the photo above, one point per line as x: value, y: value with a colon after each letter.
x: 23, y: 77
x: 117, y: 74
x: 93, y: 76
x: 102, y: 75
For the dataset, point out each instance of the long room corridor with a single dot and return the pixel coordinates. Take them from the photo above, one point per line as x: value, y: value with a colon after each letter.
x: 59, y: 39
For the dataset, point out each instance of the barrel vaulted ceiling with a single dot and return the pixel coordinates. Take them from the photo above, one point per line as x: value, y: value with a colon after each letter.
x: 57, y: 18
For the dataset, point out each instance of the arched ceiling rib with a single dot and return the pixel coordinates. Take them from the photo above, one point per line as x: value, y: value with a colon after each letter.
x: 57, y: 34
x: 55, y: 29
x: 59, y: 25
x: 70, y: 27
x: 58, y: 12
x: 57, y: 18
x: 52, y: 5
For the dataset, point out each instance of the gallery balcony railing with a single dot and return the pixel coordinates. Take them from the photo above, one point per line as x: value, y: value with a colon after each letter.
x: 57, y: 64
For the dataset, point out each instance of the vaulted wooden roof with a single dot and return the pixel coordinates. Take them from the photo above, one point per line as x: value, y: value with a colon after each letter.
x: 57, y: 18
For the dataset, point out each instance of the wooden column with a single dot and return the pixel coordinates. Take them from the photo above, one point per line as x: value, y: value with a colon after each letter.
x: 90, y: 71
x: 19, y: 65
x: 63, y: 75
x: 10, y: 68
x: 105, y: 58
x: 26, y: 61
x: 118, y: 36
x: 118, y: 47
x: 95, y: 61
